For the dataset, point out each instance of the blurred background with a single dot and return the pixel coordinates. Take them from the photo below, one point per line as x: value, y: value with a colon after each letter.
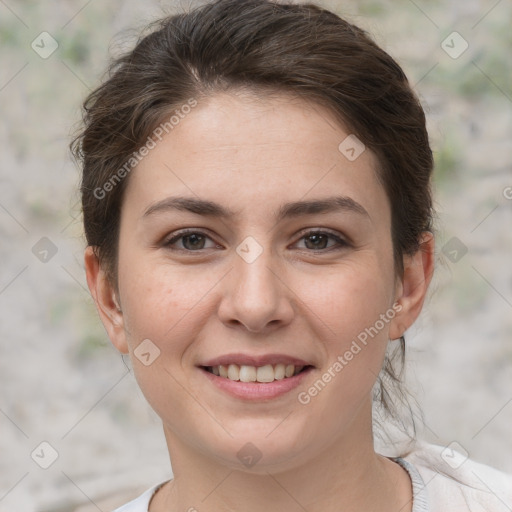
x: 63, y: 384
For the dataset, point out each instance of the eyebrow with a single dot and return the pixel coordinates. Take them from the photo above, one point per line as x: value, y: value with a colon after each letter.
x: 288, y: 210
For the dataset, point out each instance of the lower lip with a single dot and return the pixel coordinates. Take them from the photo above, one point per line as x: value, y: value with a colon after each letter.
x: 257, y: 390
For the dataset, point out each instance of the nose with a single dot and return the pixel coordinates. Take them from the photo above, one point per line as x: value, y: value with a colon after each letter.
x: 255, y: 294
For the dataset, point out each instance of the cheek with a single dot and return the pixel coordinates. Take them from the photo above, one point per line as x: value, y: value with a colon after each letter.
x: 160, y: 304
x: 157, y: 302
x: 167, y: 303
x: 352, y: 297
x: 355, y: 312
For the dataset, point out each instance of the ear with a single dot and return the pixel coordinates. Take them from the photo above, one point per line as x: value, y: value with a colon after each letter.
x: 106, y: 301
x: 413, y: 287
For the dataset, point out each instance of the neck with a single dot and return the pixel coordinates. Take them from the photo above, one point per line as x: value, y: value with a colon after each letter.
x: 346, y: 475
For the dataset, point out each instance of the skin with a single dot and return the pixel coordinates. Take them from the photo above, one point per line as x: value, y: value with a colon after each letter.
x: 252, y: 155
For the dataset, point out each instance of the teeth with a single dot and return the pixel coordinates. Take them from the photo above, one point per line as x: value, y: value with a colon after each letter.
x: 244, y: 373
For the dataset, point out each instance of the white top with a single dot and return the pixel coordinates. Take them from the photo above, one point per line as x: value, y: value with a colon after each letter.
x: 442, y: 479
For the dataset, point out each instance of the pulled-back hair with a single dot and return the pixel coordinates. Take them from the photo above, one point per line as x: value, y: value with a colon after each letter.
x: 262, y: 47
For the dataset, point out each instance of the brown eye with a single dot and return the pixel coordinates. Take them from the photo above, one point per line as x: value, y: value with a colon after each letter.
x: 318, y: 241
x: 191, y: 241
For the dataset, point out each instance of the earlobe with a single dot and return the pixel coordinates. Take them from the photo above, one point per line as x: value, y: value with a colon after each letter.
x: 418, y: 270
x: 106, y: 300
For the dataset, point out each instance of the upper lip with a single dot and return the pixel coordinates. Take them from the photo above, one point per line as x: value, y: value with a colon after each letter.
x: 254, y: 360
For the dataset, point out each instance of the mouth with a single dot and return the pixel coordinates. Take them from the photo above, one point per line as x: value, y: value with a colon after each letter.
x: 256, y: 383
x: 261, y: 374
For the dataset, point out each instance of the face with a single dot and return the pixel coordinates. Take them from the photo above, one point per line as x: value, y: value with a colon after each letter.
x: 271, y: 279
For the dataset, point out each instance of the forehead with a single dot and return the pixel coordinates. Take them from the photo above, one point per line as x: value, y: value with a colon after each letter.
x: 249, y: 150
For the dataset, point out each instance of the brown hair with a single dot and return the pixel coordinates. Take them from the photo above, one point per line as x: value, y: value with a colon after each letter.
x: 261, y: 46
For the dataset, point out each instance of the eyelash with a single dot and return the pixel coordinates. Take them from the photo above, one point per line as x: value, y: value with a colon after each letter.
x: 182, y: 234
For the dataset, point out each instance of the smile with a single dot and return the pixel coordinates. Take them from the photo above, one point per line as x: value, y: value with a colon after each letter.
x: 246, y: 373
x: 252, y: 389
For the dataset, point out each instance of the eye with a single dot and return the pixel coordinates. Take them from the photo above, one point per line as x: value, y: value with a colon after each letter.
x: 192, y: 241
x: 317, y: 240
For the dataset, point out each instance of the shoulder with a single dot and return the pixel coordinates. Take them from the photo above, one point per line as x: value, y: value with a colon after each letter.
x: 140, y: 504
x: 451, y: 478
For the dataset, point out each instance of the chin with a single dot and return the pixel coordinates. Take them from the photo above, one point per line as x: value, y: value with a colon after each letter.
x: 262, y: 451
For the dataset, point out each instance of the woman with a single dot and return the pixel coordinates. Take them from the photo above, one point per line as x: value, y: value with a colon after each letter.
x: 258, y: 214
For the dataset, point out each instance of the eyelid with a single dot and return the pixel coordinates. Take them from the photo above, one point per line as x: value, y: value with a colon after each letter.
x: 324, y: 231
x: 174, y: 237
x: 340, y: 239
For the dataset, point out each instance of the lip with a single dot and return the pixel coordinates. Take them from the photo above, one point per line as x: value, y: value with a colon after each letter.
x: 255, y: 391
x: 254, y: 360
